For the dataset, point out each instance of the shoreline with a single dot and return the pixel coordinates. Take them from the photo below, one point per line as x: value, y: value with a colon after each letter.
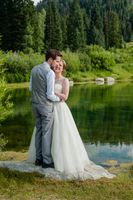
x: 23, y: 155
x: 26, y: 84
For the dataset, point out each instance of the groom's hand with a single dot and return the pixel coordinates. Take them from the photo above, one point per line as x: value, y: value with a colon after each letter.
x: 61, y: 100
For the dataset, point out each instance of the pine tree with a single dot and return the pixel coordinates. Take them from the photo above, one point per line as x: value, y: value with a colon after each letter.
x: 4, y: 24
x: 49, y: 27
x: 131, y: 22
x: 76, y: 35
x: 96, y: 35
x: 28, y: 43
x: 121, y: 7
x: 39, y: 28
x: 128, y: 33
x: 114, y: 37
x: 0, y: 40
x: 86, y: 20
x: 53, y: 33
x: 28, y: 11
x: 106, y: 30
x: 15, y: 16
x: 131, y: 18
x: 64, y: 32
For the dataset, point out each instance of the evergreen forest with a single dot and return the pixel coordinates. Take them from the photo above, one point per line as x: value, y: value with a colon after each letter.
x: 64, y: 24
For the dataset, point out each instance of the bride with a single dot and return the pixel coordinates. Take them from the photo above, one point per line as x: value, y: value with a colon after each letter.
x: 68, y: 152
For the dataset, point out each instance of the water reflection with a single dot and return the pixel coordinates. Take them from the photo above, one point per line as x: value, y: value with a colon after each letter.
x: 103, y: 114
x: 120, y: 152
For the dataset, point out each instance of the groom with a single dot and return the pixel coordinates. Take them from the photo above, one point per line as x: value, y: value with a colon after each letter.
x: 42, y: 80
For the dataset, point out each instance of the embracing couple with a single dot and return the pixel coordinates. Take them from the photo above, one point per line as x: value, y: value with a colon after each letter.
x: 56, y: 142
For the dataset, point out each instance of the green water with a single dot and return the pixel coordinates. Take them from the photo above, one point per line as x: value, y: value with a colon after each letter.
x: 103, y: 114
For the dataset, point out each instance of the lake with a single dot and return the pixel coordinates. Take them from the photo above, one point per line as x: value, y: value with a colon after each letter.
x: 103, y: 115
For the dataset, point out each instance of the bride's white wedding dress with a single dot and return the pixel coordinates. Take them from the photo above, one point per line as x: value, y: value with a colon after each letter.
x: 68, y: 151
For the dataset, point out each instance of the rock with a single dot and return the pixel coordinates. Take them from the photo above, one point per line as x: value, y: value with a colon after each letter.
x: 99, y: 81
x: 71, y: 83
x: 109, y: 80
x: 25, y: 166
x: 110, y: 83
x: 110, y: 163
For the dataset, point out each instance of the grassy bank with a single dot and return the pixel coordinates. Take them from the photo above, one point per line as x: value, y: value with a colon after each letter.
x: 17, y: 85
x: 93, y: 61
x: 30, y: 186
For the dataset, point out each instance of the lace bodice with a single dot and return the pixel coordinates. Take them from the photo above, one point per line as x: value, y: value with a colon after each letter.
x: 59, y: 85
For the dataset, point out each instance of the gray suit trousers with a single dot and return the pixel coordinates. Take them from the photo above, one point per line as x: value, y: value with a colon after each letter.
x: 44, y: 125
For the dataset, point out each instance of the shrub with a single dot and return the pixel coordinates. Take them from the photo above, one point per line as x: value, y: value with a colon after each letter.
x: 5, y: 103
x: 100, y: 58
x: 19, y: 65
x: 2, y: 62
x: 3, y: 142
x: 72, y: 60
x: 93, y: 48
x: 122, y: 55
x: 85, y: 62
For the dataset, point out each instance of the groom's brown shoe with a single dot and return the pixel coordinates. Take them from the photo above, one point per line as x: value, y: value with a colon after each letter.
x: 38, y: 162
x: 44, y: 165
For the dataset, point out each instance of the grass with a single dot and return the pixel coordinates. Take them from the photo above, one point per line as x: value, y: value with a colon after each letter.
x: 15, y: 185
x: 17, y: 85
x: 118, y: 73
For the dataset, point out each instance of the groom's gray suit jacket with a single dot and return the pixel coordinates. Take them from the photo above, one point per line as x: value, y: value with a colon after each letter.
x: 43, y: 112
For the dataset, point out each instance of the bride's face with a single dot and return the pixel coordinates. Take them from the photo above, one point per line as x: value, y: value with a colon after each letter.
x: 58, y: 69
x: 55, y: 62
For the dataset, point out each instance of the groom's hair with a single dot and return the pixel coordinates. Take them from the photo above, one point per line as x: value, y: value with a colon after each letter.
x: 52, y: 53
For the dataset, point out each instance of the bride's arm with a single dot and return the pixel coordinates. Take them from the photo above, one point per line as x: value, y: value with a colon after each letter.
x: 65, y: 91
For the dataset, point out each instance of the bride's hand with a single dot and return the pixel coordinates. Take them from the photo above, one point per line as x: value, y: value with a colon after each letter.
x: 61, y: 96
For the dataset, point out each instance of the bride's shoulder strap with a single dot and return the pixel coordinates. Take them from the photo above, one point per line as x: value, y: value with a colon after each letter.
x: 65, y: 81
